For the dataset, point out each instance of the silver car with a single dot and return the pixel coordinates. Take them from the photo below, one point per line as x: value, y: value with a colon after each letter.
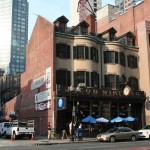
x: 118, y: 133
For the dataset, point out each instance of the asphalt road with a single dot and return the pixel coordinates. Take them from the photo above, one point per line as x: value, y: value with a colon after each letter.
x: 137, y: 145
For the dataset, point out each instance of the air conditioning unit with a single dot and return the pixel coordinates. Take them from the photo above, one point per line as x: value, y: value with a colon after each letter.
x: 81, y: 84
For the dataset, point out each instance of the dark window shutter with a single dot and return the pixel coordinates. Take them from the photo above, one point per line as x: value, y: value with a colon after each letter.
x: 86, y: 52
x: 136, y: 62
x: 87, y: 79
x: 68, y: 51
x: 57, y: 50
x: 57, y: 77
x: 91, y: 53
x: 75, y: 75
x: 74, y: 52
x: 68, y: 78
x: 128, y: 61
x: 97, y: 60
x: 116, y: 57
x: 92, y: 77
x: 117, y: 81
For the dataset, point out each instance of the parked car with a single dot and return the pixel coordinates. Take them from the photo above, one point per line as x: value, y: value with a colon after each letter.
x: 3, y: 127
x: 145, y: 132
x: 118, y: 133
x: 20, y: 129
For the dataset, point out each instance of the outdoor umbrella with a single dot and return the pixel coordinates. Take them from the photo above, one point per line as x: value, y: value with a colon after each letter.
x: 102, y: 120
x: 89, y: 119
x: 117, y: 119
x: 130, y: 119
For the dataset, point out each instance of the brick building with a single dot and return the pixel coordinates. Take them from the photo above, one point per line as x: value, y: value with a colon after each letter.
x: 99, y: 64
x: 136, y: 20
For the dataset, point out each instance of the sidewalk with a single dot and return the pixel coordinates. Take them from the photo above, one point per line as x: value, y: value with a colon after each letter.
x: 45, y: 141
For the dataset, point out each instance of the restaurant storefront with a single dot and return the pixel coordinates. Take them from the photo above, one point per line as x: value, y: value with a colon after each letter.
x: 101, y: 103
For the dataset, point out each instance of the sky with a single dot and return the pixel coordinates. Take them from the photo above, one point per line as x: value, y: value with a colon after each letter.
x: 51, y: 10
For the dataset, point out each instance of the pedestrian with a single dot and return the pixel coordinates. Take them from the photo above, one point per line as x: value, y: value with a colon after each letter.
x: 49, y: 131
x: 70, y: 128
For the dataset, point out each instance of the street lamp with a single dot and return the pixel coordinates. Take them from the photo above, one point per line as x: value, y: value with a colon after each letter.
x: 72, y: 89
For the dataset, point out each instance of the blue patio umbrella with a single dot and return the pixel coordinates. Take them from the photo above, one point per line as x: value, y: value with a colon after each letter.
x: 117, y: 119
x: 89, y: 119
x: 130, y: 119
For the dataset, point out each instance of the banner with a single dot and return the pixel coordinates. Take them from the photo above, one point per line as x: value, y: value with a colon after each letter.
x: 43, y: 106
x: 38, y: 82
x: 43, y: 96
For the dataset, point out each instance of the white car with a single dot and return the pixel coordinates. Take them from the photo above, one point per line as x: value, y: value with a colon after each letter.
x: 3, y: 127
x: 145, y: 132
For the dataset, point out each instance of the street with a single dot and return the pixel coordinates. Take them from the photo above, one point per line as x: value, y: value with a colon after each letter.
x: 27, y: 145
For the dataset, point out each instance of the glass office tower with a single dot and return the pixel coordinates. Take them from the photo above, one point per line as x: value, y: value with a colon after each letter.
x: 13, y: 35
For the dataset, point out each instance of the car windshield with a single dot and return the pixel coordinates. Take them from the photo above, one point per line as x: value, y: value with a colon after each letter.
x: 112, y: 130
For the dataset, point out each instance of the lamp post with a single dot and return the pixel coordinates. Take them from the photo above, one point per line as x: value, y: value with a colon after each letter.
x: 72, y: 89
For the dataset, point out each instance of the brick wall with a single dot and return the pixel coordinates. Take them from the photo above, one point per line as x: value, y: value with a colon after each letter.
x: 39, y: 57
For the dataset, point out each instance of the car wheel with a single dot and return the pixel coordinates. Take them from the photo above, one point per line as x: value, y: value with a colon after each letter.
x: 133, y: 138
x: 112, y: 139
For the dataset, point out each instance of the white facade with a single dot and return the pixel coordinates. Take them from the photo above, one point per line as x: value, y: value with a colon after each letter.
x: 74, y: 14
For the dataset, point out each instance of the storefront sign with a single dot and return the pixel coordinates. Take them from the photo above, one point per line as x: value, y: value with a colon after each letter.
x: 43, y: 106
x: 48, y: 78
x: 43, y: 96
x: 38, y: 83
x: 61, y: 103
x: 100, y: 92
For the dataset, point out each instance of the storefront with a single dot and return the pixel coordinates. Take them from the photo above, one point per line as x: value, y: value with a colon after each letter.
x: 101, y: 103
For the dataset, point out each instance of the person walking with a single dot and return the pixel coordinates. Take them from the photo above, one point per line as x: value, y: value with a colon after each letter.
x: 49, y: 131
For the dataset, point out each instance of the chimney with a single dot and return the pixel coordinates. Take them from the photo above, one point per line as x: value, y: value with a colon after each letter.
x: 91, y: 21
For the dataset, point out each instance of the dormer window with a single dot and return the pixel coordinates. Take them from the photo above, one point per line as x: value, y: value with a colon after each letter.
x: 84, y: 31
x: 81, y: 28
x: 109, y: 35
x: 61, y: 24
x: 127, y: 39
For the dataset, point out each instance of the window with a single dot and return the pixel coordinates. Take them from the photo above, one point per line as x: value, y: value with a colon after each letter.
x: 132, y: 61
x: 62, y: 26
x: 81, y: 52
x: 133, y: 82
x: 63, y: 51
x: 94, y: 54
x: 63, y: 77
x: 94, y: 79
x: 129, y: 41
x: 112, y: 36
x: 110, y: 57
x: 84, y: 31
x: 122, y: 59
x: 112, y: 81
x: 81, y: 77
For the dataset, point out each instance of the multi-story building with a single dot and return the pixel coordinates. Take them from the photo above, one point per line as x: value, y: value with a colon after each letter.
x: 137, y: 20
x: 99, y: 64
x: 125, y: 4
x: 87, y: 6
x: 13, y: 35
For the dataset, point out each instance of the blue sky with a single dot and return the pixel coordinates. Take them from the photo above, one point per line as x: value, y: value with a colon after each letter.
x: 51, y: 10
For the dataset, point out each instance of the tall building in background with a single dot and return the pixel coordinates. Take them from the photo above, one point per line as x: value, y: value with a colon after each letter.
x: 75, y: 7
x: 13, y: 35
x: 125, y: 4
